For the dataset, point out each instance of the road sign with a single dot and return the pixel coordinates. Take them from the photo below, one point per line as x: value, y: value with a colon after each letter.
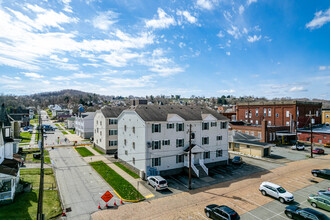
x: 107, y: 196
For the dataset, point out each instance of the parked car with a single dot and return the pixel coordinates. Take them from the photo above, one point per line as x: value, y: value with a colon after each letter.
x: 276, y: 191
x: 221, y: 212
x: 325, y: 173
x: 327, y: 145
x: 324, y: 192
x: 298, y: 146
x: 318, y: 151
x: 319, y: 201
x: 237, y: 160
x: 295, y: 212
x: 158, y: 182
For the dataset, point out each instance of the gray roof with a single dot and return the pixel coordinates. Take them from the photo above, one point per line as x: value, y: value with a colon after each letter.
x: 239, y: 137
x: 112, y: 112
x: 188, y: 113
x: 87, y: 115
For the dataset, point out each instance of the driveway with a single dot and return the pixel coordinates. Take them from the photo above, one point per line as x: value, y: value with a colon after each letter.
x: 79, y: 185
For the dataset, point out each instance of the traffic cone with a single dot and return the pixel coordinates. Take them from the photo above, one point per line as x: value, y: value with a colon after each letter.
x: 106, y: 205
x: 121, y: 202
x: 63, y: 213
x: 114, y: 203
x: 99, y: 206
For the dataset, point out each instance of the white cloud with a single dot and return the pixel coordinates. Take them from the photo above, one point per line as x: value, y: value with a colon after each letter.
x: 191, y: 19
x: 81, y: 76
x: 105, y: 19
x: 234, y: 31
x: 297, y: 89
x: 33, y: 75
x: 220, y: 34
x: 227, y: 15
x: 166, y: 71
x: 119, y: 59
x: 241, y: 9
x: 204, y: 4
x: 245, y: 31
x: 321, y: 68
x: 60, y: 78
x: 226, y: 91
x: 253, y: 38
x: 163, y: 21
x: 55, y: 57
x: 228, y: 53
x: 181, y: 44
x: 143, y: 81
x: 320, y: 19
x: 249, y: 2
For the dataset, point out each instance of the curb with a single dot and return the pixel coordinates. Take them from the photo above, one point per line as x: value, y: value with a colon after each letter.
x: 126, y: 200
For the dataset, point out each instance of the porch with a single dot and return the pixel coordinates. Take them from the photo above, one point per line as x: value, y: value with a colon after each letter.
x: 197, y: 161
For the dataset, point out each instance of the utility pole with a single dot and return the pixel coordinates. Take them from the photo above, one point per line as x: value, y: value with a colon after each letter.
x: 190, y: 157
x: 40, y: 215
x: 311, y: 120
x: 39, y: 126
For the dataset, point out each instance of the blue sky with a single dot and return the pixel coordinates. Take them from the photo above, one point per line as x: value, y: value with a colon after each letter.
x: 268, y: 48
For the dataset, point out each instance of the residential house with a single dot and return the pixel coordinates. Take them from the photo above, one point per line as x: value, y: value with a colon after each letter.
x: 84, y: 124
x: 9, y: 165
x: 155, y: 139
x: 69, y: 123
x: 248, y: 144
x: 21, y: 115
x: 106, y: 128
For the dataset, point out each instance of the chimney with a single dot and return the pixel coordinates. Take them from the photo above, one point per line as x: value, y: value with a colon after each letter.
x: 264, y: 131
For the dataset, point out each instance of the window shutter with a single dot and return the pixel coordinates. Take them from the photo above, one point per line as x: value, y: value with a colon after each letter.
x: 153, y: 128
x: 163, y: 142
x: 160, y: 126
x: 177, y: 126
x: 177, y: 142
x: 177, y: 159
x: 169, y: 142
x: 182, y: 126
x: 153, y: 145
x: 160, y: 144
x: 182, y: 142
x: 160, y: 161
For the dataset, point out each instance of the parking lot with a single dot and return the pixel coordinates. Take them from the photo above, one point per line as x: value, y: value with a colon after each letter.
x: 275, y: 210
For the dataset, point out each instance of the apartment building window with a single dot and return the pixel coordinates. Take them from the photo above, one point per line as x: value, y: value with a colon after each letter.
x: 252, y: 133
x: 156, y: 161
x: 277, y: 115
x: 179, y: 158
x: 219, y: 138
x: 257, y: 122
x: 97, y: 122
x: 246, y: 132
x: 166, y: 142
x: 205, y: 126
x: 113, y: 121
x: 100, y: 123
x: 213, y: 124
x: 170, y: 125
x: 179, y: 127
x: 257, y: 111
x: 223, y: 125
x: 125, y: 142
x: 126, y: 152
x: 179, y: 142
x: 269, y: 112
x: 133, y: 144
x: 133, y: 129
x: 156, y: 128
x: 250, y: 114
x: 192, y: 135
x: 317, y: 113
x: 287, y: 123
x: 265, y: 112
x: 97, y: 130
x: 259, y: 134
x: 125, y: 127
x: 113, y: 143
x: 205, y: 140
x: 156, y: 145
x: 270, y: 137
x: 269, y: 122
x: 219, y: 153
x: 207, y: 155
x: 133, y: 160
x: 246, y: 113
x: 251, y: 121
x: 327, y: 116
x: 101, y: 133
x: 287, y: 114
x: 113, y: 132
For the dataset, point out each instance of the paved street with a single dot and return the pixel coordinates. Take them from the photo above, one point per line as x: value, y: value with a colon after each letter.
x: 241, y: 194
x: 80, y: 186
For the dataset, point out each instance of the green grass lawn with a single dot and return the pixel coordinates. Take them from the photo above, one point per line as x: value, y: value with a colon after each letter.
x: 31, y: 150
x: 26, y: 137
x: 84, y: 152
x: 64, y: 132
x: 118, y: 183
x: 130, y: 172
x: 62, y: 124
x: 33, y: 176
x: 25, y: 206
x: 72, y: 131
x: 57, y: 125
x: 97, y: 150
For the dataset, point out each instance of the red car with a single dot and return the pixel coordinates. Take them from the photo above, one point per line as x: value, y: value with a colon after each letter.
x: 318, y: 151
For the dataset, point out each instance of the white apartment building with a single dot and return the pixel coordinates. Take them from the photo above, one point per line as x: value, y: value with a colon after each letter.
x: 106, y: 128
x: 84, y: 124
x: 155, y: 139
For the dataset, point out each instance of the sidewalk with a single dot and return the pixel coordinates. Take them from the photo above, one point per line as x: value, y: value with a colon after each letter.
x: 137, y: 183
x: 33, y: 138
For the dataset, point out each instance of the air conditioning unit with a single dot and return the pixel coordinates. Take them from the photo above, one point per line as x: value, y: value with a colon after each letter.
x: 148, y: 144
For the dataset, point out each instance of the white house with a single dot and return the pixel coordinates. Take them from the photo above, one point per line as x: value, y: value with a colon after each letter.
x: 84, y: 124
x: 106, y: 128
x: 155, y: 139
x: 9, y: 167
x: 55, y: 109
x: 70, y: 122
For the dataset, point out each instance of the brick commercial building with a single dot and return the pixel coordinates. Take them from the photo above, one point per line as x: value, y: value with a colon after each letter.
x: 326, y: 116
x: 279, y: 113
x: 321, y: 134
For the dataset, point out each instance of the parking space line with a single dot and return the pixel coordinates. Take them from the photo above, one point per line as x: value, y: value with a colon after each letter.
x: 244, y: 210
x: 202, y: 215
x: 279, y: 214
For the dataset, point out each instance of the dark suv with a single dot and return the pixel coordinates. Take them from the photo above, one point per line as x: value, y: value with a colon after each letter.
x: 221, y: 212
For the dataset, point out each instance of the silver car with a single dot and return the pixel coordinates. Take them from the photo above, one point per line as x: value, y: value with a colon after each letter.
x: 157, y: 182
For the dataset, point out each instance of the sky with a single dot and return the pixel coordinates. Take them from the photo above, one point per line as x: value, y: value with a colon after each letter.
x: 261, y: 48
